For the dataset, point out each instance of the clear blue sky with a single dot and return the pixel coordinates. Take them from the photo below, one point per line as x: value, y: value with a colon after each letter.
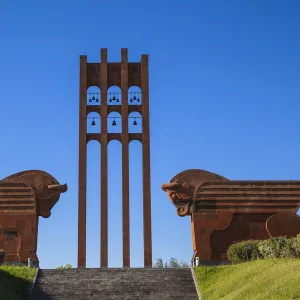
x: 224, y: 79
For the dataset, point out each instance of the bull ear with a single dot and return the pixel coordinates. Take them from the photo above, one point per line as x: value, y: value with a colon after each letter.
x: 45, y: 213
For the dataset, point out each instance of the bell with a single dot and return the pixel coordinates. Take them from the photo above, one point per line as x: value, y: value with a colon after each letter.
x: 131, y: 100
x: 90, y: 100
x: 118, y: 100
x: 97, y: 100
x: 138, y: 100
x: 114, y: 123
x: 114, y: 98
x: 93, y: 98
x: 93, y: 122
x: 134, y: 123
x: 110, y: 100
x: 134, y: 97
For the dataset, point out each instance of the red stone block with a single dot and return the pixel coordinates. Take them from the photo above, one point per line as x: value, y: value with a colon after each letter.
x: 23, y: 198
x: 226, y: 211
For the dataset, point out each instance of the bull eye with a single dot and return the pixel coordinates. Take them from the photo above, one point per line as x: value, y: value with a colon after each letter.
x: 40, y: 187
x: 173, y: 195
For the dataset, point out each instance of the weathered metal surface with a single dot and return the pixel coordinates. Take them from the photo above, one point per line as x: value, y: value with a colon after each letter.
x: 223, y: 211
x: 23, y: 198
x: 123, y: 74
x: 16, y: 197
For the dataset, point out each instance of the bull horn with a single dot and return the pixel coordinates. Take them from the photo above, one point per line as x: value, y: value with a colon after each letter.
x: 169, y: 186
x: 62, y: 188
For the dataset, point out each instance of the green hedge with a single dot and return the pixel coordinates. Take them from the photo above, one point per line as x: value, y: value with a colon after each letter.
x: 296, y: 245
x: 278, y: 247
x: 243, y: 251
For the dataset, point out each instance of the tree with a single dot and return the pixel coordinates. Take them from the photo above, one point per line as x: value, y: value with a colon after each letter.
x: 173, y: 263
x: 159, y: 263
x: 67, y: 266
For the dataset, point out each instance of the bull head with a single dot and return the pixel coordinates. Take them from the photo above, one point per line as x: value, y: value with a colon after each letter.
x: 46, y: 188
x: 180, y: 195
x: 181, y: 188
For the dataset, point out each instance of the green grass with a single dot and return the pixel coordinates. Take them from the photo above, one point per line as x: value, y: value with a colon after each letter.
x: 259, y: 279
x: 15, y: 282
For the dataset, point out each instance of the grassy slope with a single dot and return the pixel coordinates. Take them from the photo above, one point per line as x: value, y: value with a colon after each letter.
x: 15, y: 282
x: 261, y: 279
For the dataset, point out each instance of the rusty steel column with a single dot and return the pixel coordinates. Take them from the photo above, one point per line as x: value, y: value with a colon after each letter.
x: 125, y: 158
x: 104, y: 162
x: 146, y: 162
x: 82, y: 165
x: 123, y: 75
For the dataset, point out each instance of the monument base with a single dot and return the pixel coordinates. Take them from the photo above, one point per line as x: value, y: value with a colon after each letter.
x: 214, y: 262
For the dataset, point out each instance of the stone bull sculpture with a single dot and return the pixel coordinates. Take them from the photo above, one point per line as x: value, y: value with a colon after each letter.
x: 224, y: 212
x: 23, y: 198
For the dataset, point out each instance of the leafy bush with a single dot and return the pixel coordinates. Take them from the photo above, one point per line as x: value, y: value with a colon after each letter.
x: 243, y: 251
x: 67, y: 266
x: 296, y: 245
x: 276, y: 247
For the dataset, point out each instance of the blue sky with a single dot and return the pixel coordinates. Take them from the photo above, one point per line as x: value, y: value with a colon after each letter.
x: 224, y: 80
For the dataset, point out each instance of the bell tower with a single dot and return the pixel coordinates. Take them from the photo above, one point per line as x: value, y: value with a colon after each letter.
x: 103, y: 75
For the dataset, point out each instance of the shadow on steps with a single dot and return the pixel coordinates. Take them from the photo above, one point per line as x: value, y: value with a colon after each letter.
x: 14, y: 288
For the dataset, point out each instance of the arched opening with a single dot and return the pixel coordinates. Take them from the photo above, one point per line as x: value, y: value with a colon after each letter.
x: 93, y: 123
x: 114, y: 123
x: 134, y: 122
x: 136, y: 204
x: 114, y: 95
x: 115, y: 236
x: 134, y: 95
x: 93, y: 204
x: 93, y: 96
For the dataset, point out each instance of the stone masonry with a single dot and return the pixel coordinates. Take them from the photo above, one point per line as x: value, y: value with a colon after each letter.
x: 115, y: 284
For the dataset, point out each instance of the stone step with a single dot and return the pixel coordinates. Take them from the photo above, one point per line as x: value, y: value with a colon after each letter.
x: 89, y: 277
x: 109, y: 278
x: 115, y: 271
x: 115, y: 284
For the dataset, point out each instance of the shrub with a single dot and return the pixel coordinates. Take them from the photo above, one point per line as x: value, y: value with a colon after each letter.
x: 243, y: 251
x: 296, y: 245
x: 276, y: 247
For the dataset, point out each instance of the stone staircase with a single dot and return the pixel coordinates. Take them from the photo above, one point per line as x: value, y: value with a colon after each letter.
x: 115, y: 284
